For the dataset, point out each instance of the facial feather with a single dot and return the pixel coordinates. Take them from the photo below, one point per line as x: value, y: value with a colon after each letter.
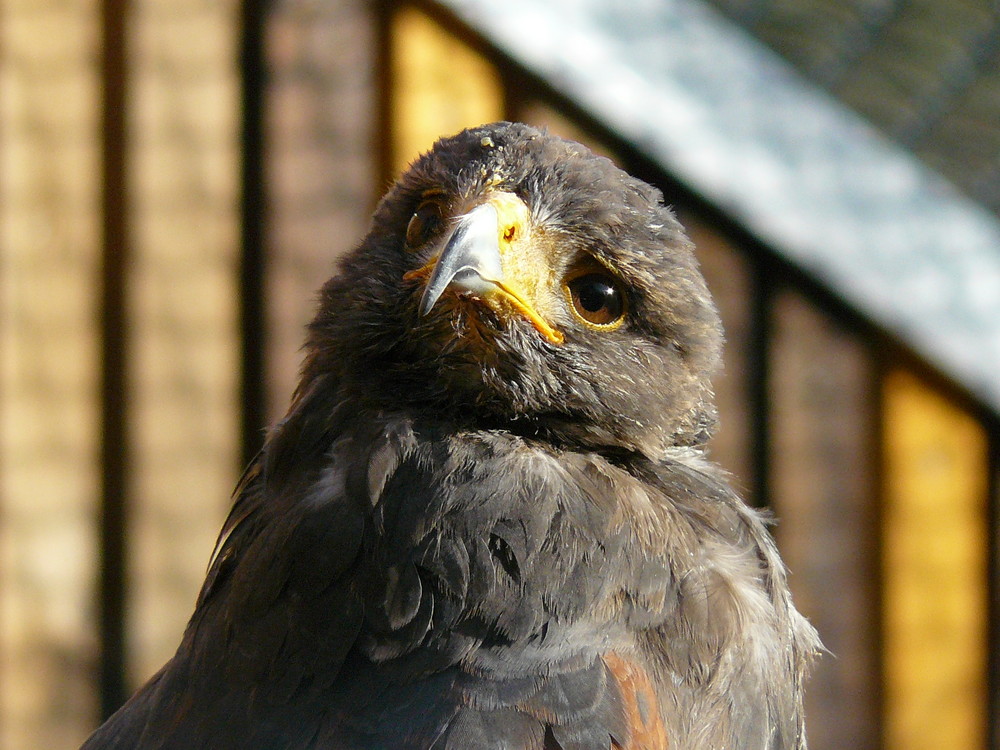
x: 643, y: 386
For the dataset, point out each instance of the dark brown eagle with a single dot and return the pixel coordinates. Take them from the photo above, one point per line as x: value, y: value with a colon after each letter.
x: 487, y: 520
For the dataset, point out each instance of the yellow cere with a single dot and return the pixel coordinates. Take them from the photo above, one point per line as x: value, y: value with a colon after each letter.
x: 527, y: 272
x: 512, y: 217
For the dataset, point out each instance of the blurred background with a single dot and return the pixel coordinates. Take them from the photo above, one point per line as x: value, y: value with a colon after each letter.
x: 178, y: 177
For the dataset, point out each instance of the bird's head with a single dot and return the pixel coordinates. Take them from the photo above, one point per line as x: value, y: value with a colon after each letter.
x: 512, y: 279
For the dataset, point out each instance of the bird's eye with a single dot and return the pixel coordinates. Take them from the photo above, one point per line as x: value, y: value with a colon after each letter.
x: 423, y: 224
x: 597, y: 298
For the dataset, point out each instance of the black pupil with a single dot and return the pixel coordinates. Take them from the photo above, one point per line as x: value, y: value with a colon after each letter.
x: 596, y: 295
x: 597, y: 298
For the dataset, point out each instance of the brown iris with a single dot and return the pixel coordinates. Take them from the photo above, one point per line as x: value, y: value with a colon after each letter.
x: 424, y: 224
x: 597, y: 298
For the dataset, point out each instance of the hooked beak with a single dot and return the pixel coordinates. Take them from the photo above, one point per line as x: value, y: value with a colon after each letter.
x: 470, y: 261
x: 486, y: 256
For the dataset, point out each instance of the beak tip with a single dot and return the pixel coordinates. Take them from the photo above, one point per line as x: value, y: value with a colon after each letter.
x: 432, y: 293
x: 426, y: 304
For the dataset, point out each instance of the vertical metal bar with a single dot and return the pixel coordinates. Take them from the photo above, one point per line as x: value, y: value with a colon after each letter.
x: 758, y: 385
x: 253, y: 218
x: 383, y: 130
x: 114, y: 383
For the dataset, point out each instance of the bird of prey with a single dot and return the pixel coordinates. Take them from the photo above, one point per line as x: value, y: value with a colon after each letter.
x: 487, y: 520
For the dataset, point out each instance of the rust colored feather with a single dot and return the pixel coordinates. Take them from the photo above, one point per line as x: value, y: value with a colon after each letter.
x: 641, y: 704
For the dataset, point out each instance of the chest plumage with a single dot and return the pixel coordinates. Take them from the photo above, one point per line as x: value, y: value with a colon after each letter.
x: 487, y: 520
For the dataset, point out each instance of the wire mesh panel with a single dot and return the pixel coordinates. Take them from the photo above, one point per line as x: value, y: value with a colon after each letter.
x: 927, y: 73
